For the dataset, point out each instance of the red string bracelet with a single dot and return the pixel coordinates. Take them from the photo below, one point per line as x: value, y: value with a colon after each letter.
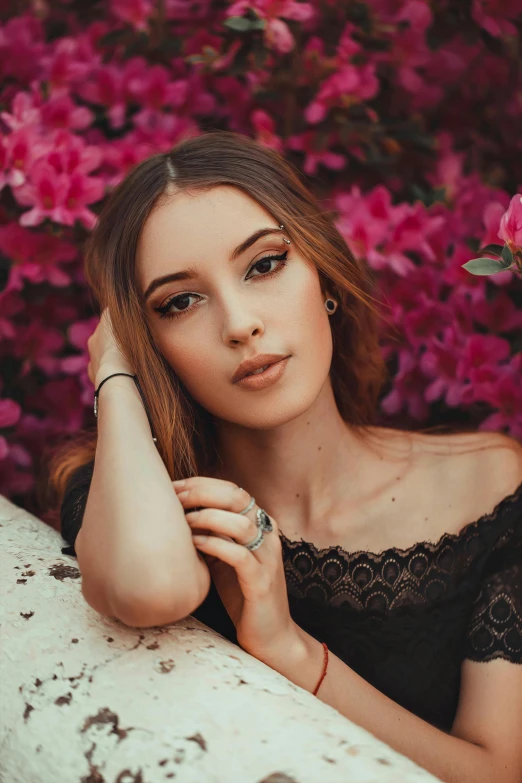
x: 325, y: 667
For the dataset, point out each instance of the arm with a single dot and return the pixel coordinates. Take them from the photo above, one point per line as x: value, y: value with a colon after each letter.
x: 135, y: 549
x: 484, y: 745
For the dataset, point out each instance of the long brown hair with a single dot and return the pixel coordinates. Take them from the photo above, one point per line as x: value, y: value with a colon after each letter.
x: 184, y: 430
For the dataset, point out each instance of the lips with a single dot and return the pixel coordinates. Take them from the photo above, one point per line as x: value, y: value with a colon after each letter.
x: 249, y: 366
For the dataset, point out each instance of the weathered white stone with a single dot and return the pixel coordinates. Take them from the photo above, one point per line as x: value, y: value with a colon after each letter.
x: 85, y: 698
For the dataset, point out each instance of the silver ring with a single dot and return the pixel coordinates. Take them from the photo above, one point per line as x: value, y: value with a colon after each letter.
x: 250, y: 505
x: 264, y: 526
x: 263, y: 523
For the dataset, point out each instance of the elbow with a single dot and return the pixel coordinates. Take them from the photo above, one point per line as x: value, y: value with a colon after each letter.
x: 161, y: 608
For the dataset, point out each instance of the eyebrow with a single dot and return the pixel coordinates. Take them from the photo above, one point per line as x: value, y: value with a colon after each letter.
x: 192, y: 274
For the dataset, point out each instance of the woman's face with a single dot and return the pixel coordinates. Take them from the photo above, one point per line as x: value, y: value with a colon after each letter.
x: 233, y: 309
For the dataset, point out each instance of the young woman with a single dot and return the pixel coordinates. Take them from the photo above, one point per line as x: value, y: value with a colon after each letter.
x: 390, y: 560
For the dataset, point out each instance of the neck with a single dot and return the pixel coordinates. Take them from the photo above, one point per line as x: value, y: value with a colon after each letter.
x: 302, y: 470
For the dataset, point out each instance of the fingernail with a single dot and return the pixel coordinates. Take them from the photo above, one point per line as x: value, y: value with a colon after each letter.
x: 179, y: 483
x: 183, y: 494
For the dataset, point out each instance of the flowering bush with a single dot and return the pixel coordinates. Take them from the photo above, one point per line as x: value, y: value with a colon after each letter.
x: 403, y: 114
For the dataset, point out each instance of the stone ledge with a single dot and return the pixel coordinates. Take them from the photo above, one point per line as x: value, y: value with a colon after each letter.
x: 86, y: 698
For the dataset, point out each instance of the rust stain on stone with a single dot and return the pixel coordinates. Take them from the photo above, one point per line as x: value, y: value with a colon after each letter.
x: 61, y: 571
x: 164, y: 667
x: 28, y: 709
x: 199, y: 739
x: 26, y: 615
x: 106, y: 716
x: 63, y: 700
x: 94, y: 776
x: 126, y: 776
x: 21, y: 581
x: 153, y: 646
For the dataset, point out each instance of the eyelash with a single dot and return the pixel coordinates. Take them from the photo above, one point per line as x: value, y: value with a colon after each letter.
x: 164, y: 309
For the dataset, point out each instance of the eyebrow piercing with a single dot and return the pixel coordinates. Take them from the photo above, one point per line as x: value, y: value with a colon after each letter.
x: 284, y: 239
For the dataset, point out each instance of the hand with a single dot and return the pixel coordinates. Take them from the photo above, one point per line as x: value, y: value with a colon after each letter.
x: 252, y: 585
x: 105, y: 354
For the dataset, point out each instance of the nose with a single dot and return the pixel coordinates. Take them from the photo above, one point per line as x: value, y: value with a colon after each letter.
x: 241, y: 323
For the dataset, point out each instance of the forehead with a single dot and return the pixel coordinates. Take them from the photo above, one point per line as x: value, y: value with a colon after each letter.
x: 186, y: 227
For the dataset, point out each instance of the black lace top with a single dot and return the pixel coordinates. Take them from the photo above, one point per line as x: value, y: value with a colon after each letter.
x: 404, y: 619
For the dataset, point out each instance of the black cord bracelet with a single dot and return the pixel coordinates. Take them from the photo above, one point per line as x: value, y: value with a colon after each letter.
x: 135, y: 379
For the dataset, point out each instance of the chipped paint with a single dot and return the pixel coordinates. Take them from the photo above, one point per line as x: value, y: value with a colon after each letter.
x: 86, y: 698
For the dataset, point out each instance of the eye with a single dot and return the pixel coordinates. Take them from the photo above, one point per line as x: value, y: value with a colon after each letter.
x: 180, y: 299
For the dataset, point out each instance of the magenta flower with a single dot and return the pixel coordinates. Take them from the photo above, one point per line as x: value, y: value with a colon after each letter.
x: 61, y: 112
x: 264, y: 126
x: 24, y: 113
x: 10, y: 412
x: 440, y: 361
x: 133, y: 12
x: 277, y: 34
x: 35, y: 256
x: 18, y: 152
x: 494, y: 15
x: 408, y: 389
x: 305, y: 142
x: 350, y: 84
x: 36, y: 344
x: 503, y: 393
x: 511, y: 223
x: 60, y: 197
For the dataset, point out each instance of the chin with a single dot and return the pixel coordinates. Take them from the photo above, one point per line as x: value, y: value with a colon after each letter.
x: 271, y: 412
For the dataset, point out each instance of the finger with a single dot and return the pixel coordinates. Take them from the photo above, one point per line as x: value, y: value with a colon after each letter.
x: 240, y: 528
x: 205, y: 491
x: 245, y: 564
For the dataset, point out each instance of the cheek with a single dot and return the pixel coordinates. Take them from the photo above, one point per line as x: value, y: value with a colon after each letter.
x: 310, y: 323
x: 188, y: 360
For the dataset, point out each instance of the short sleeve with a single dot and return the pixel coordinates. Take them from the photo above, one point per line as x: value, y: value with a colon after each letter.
x: 495, y: 627
x: 73, y: 505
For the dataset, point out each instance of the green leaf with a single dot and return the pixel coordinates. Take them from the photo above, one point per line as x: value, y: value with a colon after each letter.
x: 507, y: 257
x: 497, y: 249
x: 484, y: 266
x: 242, y: 25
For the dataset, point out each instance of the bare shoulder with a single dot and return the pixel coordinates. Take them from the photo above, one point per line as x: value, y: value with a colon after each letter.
x: 478, y: 468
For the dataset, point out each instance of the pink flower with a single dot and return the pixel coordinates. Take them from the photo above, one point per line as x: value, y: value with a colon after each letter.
x: 349, y: 84
x: 306, y: 142
x: 24, y: 112
x: 133, y: 12
x: 60, y: 197
x: 18, y: 152
x: 499, y: 315
x: 440, y: 361
x: 408, y: 389
x: 10, y: 412
x: 277, y: 35
x: 264, y: 126
x: 493, y: 15
x: 60, y: 112
x: 503, y: 393
x: 35, y: 256
x: 511, y: 223
x: 36, y: 346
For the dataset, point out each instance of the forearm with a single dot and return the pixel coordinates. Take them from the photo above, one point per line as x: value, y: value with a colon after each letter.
x: 135, y: 535
x: 449, y: 758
